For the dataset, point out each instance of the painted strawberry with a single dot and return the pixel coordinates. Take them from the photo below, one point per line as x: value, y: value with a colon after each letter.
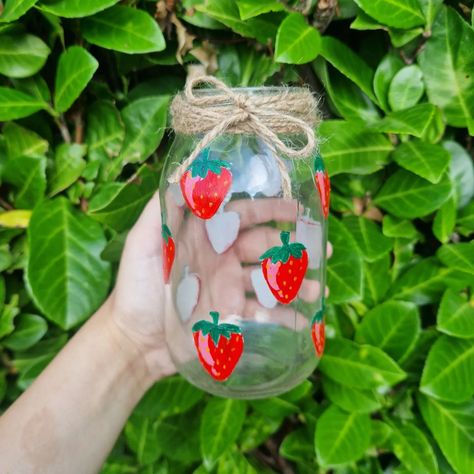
x: 168, y: 249
x: 318, y: 332
x: 284, y: 268
x: 219, y: 346
x: 322, y: 182
x: 205, y: 184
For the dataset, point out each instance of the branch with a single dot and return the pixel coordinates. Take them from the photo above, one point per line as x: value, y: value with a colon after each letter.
x: 325, y: 11
x: 78, y: 127
x: 61, y: 123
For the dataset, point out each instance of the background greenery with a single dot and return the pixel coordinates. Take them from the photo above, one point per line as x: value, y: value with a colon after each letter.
x: 84, y: 91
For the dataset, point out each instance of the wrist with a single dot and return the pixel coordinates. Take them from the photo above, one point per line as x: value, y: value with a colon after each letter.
x: 146, y: 351
x: 132, y: 359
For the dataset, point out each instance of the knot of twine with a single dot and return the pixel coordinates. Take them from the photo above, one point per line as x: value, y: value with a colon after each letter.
x: 227, y: 110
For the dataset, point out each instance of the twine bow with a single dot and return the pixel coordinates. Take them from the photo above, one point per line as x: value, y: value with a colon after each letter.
x: 227, y: 110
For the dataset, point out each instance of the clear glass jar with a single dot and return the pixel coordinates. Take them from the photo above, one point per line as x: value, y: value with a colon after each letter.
x: 244, y: 265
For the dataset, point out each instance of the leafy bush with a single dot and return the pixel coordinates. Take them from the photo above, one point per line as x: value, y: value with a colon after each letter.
x: 84, y: 92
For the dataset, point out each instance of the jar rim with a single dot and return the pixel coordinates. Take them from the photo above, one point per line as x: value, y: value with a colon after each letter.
x: 255, y: 90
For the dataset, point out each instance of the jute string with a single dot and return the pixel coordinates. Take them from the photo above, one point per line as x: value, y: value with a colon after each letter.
x: 290, y: 112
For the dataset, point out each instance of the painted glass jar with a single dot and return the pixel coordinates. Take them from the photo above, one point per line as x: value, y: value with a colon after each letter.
x: 244, y: 260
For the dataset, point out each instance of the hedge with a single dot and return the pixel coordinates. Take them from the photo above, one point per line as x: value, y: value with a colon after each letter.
x: 84, y: 94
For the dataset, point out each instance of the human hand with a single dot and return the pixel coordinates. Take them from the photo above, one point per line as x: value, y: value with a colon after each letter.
x: 138, y: 299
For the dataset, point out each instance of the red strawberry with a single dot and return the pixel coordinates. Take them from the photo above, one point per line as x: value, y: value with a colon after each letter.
x: 284, y: 268
x: 318, y: 332
x: 168, y: 249
x: 219, y: 346
x: 322, y: 182
x: 205, y: 184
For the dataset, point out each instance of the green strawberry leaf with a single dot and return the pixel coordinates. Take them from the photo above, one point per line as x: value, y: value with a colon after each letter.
x: 215, y: 329
x: 283, y: 253
x: 165, y: 232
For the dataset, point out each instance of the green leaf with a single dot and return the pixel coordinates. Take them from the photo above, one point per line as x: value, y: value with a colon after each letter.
x: 75, y: 69
x: 22, y: 55
x: 386, y: 70
x: 241, y: 66
x: 121, y: 209
x: 344, y: 273
x: 413, y: 449
x: 145, y: 122
x: 393, y: 326
x: 249, y: 8
x: 424, y: 282
x: 348, y: 147
x: 28, y: 175
x: 33, y: 361
x: 7, y: 317
x: 14, y: 9
x: 35, y: 86
x: 445, y: 220
x: 461, y: 172
x: 346, y: 99
x: 257, y: 428
x: 406, y: 195
x: 69, y: 164
x: 341, y: 437
x: 23, y: 142
x: 446, y: 62
x: 274, y: 407
x: 466, y: 219
x: 29, y: 329
x: 297, y: 446
x: 456, y: 315
x: 377, y: 280
x: 178, y: 436
x: 414, y: 121
x: 65, y: 275
x: 170, y: 396
x: 349, y: 64
x: 75, y: 8
x: 458, y: 256
x: 194, y: 17
x: 234, y: 461
x: 370, y: 240
x: 448, y: 370
x: 15, y: 104
x: 365, y: 22
x: 424, y: 159
x: 452, y: 425
x: 227, y: 13
x: 141, y: 436
x: 406, y: 88
x: 221, y: 423
x: 359, y: 366
x: 400, y: 38
x: 296, y: 41
x: 398, y: 13
x: 124, y: 29
x: 351, y: 399
x: 430, y: 9
x: 396, y: 227
x: 345, y: 266
x: 104, y: 132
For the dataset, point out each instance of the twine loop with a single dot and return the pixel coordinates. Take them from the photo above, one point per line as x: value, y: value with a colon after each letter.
x: 226, y: 110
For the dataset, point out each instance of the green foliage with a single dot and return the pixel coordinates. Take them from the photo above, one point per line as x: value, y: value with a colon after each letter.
x: 85, y: 87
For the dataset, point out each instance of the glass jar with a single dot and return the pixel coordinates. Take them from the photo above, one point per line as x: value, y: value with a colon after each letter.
x: 244, y: 265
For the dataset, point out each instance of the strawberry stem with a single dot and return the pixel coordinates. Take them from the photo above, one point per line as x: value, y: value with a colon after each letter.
x: 318, y: 164
x: 215, y: 317
x: 285, y: 238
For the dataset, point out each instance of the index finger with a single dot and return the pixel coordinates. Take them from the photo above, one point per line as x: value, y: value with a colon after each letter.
x: 259, y: 211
